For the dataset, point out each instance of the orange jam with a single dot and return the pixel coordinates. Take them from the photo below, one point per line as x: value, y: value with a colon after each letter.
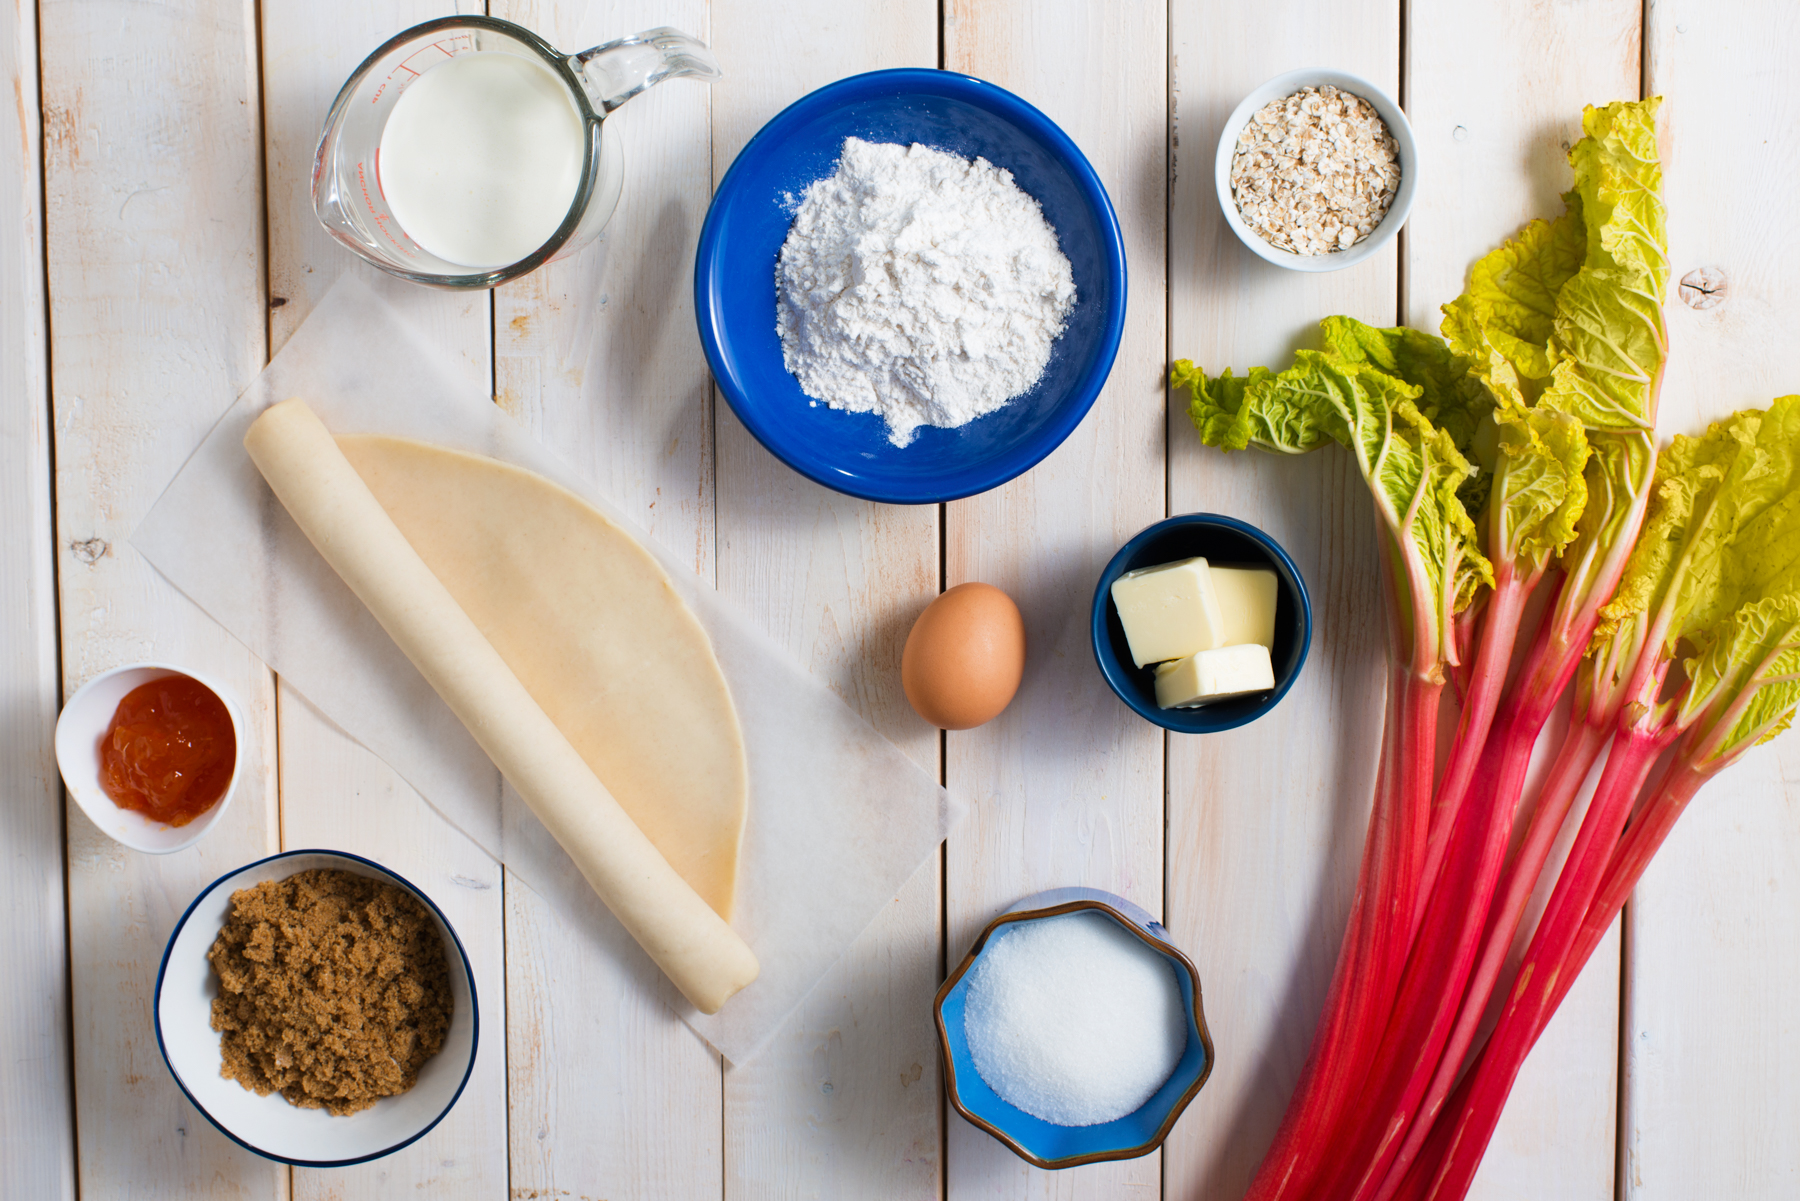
x: 169, y: 751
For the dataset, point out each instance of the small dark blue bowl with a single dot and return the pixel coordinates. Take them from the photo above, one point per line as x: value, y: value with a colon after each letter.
x: 1221, y: 540
x: 734, y: 284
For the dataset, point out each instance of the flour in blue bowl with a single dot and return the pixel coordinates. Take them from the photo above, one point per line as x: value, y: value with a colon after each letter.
x: 920, y: 286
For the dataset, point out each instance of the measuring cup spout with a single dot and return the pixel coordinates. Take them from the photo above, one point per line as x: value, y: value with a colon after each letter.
x: 619, y: 70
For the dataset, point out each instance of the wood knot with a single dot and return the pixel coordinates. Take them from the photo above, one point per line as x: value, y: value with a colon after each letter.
x: 1704, y: 288
x: 90, y: 551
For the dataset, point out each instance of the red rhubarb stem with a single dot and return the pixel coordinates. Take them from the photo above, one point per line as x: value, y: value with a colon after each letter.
x: 1579, y: 752
x: 1331, y: 1067
x: 1443, y: 953
x: 1413, y: 1039
x: 1499, y: 629
x: 1374, y: 948
x: 1379, y: 933
x: 1465, y: 1131
x: 1643, y: 838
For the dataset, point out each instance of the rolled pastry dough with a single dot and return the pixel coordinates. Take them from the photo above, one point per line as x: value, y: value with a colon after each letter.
x: 336, y: 510
x: 591, y: 625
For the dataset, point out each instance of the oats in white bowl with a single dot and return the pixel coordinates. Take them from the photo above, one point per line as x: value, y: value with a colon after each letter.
x: 1315, y: 172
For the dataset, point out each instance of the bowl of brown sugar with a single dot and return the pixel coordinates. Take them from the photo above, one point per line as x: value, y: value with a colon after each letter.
x: 1316, y: 170
x: 317, y: 1008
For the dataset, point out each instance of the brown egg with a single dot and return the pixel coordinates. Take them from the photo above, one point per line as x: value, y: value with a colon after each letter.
x: 964, y: 657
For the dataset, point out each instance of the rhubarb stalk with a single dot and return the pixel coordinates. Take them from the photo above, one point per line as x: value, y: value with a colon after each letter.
x: 1742, y: 690
x: 1605, y: 350
x: 1464, y: 1138
x: 1431, y: 570
x: 1550, y: 380
x: 1716, y: 536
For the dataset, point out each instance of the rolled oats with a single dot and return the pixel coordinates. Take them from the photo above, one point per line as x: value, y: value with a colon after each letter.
x: 1315, y: 172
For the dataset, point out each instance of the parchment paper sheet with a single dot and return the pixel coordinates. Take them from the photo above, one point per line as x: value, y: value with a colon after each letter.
x: 838, y: 817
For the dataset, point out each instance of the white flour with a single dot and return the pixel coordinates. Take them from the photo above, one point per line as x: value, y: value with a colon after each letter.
x: 920, y: 286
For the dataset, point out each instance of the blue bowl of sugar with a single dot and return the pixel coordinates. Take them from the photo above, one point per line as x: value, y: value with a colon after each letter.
x: 753, y: 209
x: 1081, y: 1006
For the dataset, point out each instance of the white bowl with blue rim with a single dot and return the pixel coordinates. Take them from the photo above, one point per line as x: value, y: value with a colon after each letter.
x: 1042, y: 1143
x: 269, y: 1126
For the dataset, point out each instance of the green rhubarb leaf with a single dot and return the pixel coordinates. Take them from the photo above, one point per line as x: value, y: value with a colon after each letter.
x: 1763, y: 556
x: 1607, y: 338
x: 1426, y: 467
x: 1619, y: 471
x: 1618, y: 175
x: 1745, y: 679
x: 1450, y: 395
x: 1720, y: 545
x: 1566, y: 317
x: 1699, y: 488
x: 1504, y: 321
x: 1723, y: 526
x: 1276, y: 423
x: 1609, y: 331
x: 1413, y: 469
x: 1539, y: 490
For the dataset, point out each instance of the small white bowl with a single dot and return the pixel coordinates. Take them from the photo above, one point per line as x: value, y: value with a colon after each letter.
x: 81, y: 726
x: 270, y: 1126
x: 1287, y: 85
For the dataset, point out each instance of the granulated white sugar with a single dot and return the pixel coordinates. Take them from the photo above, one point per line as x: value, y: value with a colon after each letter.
x: 1073, y: 1019
x: 918, y: 285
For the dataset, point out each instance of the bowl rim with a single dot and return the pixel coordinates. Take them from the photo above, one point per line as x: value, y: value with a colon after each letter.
x: 1114, y: 672
x: 1071, y: 906
x: 461, y: 951
x: 203, y: 822
x: 1398, y: 125
x: 964, y: 481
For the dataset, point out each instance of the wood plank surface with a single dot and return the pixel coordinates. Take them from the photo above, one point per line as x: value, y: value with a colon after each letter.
x: 1492, y: 129
x: 172, y: 246
x: 334, y: 793
x: 844, y: 1102
x: 1066, y: 786
x: 154, y: 242
x: 37, y: 1143
x: 1266, y: 822
x: 612, y: 1096
x: 1711, y: 1046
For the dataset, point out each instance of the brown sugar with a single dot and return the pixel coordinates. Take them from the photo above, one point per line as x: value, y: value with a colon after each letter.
x: 333, y: 989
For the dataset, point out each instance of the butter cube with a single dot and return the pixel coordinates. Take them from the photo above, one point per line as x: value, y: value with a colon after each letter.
x: 1214, y: 675
x: 1168, y: 611
x: 1247, y: 602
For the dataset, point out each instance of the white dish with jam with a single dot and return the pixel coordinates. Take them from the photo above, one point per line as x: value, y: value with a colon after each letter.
x: 84, y: 723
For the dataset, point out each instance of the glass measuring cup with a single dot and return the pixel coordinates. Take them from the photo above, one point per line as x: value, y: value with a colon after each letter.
x: 346, y: 182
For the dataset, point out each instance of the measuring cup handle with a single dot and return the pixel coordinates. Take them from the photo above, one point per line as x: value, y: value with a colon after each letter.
x: 619, y: 70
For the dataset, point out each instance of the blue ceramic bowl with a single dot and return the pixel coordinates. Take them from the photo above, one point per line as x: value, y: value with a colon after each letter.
x: 734, y: 284
x: 1220, y: 540
x: 1032, y: 1138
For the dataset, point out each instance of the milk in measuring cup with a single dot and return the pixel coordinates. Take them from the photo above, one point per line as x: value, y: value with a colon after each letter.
x: 481, y: 158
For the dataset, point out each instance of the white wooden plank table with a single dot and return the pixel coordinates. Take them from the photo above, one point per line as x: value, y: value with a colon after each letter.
x: 157, y: 245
